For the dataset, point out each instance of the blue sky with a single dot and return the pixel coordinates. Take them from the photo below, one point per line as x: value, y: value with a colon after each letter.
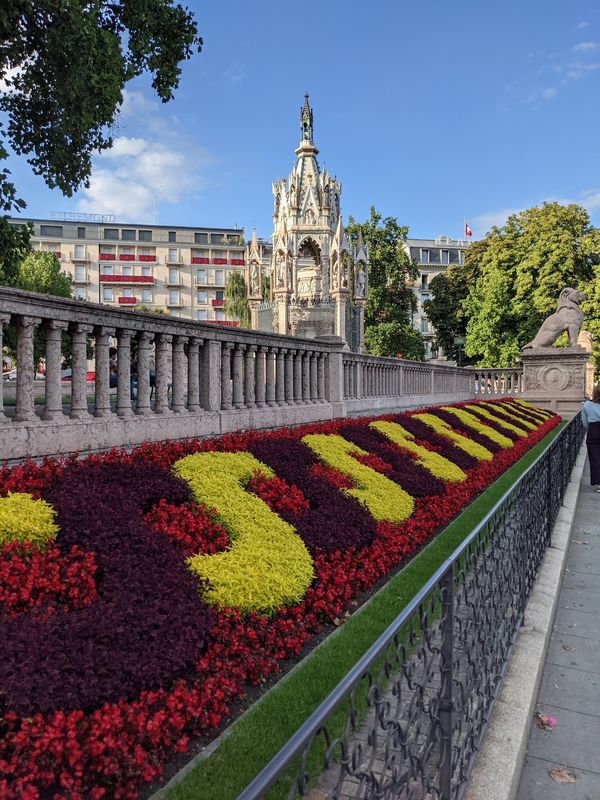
x: 431, y: 111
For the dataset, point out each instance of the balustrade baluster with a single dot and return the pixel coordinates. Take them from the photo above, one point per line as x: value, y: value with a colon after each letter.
x: 179, y: 374
x: 193, y: 378
x: 280, y: 376
x: 25, y: 411
x: 260, y: 376
x: 238, y: 375
x: 298, y: 377
x: 305, y: 377
x: 249, y: 391
x: 321, y: 377
x: 226, y: 393
x: 270, y: 368
x: 346, y: 380
x: 313, y: 378
x: 142, y: 405
x: 102, y: 371
x: 289, y: 377
x: 4, y: 320
x: 123, y: 372
x: 53, y: 406
x: 164, y: 353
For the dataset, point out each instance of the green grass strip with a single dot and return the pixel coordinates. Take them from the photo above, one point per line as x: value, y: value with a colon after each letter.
x: 256, y: 736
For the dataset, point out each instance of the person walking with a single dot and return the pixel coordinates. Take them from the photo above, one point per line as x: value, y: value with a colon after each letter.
x: 590, y: 416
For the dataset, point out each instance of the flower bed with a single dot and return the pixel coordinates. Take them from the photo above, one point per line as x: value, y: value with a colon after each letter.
x: 149, y: 589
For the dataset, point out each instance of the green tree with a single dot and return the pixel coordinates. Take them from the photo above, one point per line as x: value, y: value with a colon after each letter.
x: 449, y: 290
x: 391, y: 302
x: 236, y: 299
x: 65, y: 64
x: 523, y: 267
x: 14, y: 246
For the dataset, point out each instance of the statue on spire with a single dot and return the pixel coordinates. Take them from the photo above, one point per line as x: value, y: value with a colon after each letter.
x: 306, y: 120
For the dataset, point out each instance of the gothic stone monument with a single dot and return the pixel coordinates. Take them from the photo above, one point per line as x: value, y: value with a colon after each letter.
x: 558, y: 378
x: 319, y: 280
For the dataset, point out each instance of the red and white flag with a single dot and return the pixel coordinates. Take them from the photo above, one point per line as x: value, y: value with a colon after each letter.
x: 468, y: 231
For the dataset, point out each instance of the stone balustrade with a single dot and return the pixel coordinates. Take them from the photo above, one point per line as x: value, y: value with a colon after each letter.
x: 498, y: 382
x: 177, y: 378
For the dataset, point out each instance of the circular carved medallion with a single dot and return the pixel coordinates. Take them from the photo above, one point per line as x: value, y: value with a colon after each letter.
x: 554, y: 378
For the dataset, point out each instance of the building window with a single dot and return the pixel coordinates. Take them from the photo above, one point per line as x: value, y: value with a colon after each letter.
x: 128, y: 235
x: 202, y: 297
x: 127, y: 293
x: 79, y: 272
x: 173, y: 297
x: 111, y: 233
x: 424, y: 281
x: 147, y: 271
x: 107, y: 294
x: 201, y: 238
x: 80, y: 293
x: 219, y: 295
x: 172, y: 236
x: 79, y: 251
x: 445, y: 257
x: 424, y: 325
x: 173, y: 275
x: 201, y: 276
x: 107, y: 269
x: 81, y: 233
x: 454, y: 257
x: 147, y: 295
x: 202, y: 314
x: 51, y: 230
x: 219, y: 315
x: 127, y: 270
x: 145, y: 236
x: 173, y: 254
x: 424, y: 256
x: 219, y: 277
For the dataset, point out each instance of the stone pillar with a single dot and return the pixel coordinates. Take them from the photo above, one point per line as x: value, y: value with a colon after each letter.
x: 193, y: 381
x: 556, y: 378
x: 306, y: 377
x: 4, y: 320
x: 79, y: 406
x: 335, y: 376
x: 340, y: 316
x: 313, y: 379
x: 53, y: 401
x: 179, y: 374
x: 280, y: 377
x: 260, y: 377
x: 283, y: 308
x: 102, y: 374
x: 226, y: 396
x: 25, y: 410
x: 289, y: 377
x: 321, y: 377
x: 143, y: 374
x: 270, y: 367
x: 211, y: 376
x: 361, y: 326
x: 163, y: 349
x: 238, y: 376
x: 298, y: 377
x: 123, y: 372
x: 249, y: 391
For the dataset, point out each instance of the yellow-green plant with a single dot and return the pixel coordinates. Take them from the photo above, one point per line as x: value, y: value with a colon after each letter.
x: 504, y: 410
x: 268, y: 564
x: 25, y: 519
x: 384, y: 499
x: 439, y: 466
x: 493, y: 418
x: 473, y: 422
x: 442, y: 428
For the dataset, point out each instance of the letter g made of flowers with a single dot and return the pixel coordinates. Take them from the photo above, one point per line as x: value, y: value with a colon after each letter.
x: 268, y: 565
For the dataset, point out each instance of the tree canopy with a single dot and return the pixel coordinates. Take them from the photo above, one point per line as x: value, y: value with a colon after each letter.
x: 236, y: 304
x: 523, y: 266
x: 41, y: 272
x: 391, y: 301
x: 64, y: 65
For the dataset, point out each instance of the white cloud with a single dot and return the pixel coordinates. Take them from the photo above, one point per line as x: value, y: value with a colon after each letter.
x: 580, y: 70
x: 484, y: 222
x: 549, y: 93
x: 585, y: 47
x: 582, y: 25
x: 123, y: 146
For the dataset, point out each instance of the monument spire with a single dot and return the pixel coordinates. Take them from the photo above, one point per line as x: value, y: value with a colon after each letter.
x: 306, y: 120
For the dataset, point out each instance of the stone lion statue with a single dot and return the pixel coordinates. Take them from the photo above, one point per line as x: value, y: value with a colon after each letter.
x: 567, y: 317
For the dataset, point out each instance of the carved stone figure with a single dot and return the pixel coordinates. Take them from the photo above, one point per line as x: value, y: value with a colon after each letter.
x: 585, y: 340
x: 254, y: 282
x: 279, y: 267
x: 360, y: 281
x: 567, y: 317
x: 290, y: 275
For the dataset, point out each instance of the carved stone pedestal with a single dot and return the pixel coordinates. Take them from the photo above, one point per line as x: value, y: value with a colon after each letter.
x: 557, y: 378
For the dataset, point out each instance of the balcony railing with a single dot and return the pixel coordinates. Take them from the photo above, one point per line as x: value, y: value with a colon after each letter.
x: 126, y: 257
x: 126, y: 279
x: 238, y: 262
x: 199, y: 260
x: 146, y: 258
x: 127, y: 301
x: 107, y: 257
x: 217, y: 303
x: 219, y: 261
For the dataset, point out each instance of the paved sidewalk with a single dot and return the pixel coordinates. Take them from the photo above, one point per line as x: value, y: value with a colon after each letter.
x: 570, y: 688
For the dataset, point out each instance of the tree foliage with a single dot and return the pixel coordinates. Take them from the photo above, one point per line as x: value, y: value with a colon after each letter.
x: 65, y: 64
x: 236, y: 299
x: 41, y: 272
x: 449, y: 290
x: 391, y: 302
x: 523, y: 267
x: 14, y: 247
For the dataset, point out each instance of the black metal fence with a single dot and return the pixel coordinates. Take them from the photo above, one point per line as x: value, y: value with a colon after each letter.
x: 406, y: 722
